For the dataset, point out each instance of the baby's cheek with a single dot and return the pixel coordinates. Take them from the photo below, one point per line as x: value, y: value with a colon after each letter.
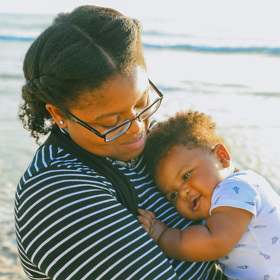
x: 183, y: 208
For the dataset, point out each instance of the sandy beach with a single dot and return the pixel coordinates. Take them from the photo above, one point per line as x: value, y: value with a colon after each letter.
x: 16, y: 149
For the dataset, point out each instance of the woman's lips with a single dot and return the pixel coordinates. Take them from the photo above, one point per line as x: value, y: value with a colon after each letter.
x: 136, y: 143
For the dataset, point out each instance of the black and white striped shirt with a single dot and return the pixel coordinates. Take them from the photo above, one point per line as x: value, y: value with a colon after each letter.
x: 69, y: 224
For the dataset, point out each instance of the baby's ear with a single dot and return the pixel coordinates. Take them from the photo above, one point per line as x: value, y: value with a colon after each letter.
x: 223, y: 155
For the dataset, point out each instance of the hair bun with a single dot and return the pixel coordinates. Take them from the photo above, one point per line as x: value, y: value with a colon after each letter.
x: 37, y: 82
x: 30, y: 87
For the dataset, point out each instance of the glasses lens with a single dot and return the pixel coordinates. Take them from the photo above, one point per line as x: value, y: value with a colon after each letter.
x: 151, y: 110
x: 117, y: 132
x: 154, y: 105
x: 143, y: 115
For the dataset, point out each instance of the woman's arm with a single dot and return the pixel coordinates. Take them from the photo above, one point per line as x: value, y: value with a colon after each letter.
x: 220, y: 233
x: 70, y: 226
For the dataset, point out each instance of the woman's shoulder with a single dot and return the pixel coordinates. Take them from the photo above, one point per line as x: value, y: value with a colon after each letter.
x: 49, y: 156
x: 51, y: 162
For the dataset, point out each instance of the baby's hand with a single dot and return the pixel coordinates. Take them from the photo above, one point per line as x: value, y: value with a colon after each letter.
x: 150, y: 223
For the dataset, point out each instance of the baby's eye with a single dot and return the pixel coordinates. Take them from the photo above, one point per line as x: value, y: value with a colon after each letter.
x: 187, y: 175
x: 173, y: 195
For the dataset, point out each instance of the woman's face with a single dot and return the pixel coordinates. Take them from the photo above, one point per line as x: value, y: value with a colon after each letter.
x: 117, y: 100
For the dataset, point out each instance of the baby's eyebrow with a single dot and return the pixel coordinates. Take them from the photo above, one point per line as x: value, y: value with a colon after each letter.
x: 183, y: 170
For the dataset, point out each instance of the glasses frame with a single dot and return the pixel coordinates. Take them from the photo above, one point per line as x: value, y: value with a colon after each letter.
x: 126, y: 124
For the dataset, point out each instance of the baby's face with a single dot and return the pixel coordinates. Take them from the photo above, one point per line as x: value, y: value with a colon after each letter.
x: 188, y: 179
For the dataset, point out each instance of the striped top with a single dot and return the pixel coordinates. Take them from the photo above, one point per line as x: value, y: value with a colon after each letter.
x: 69, y: 224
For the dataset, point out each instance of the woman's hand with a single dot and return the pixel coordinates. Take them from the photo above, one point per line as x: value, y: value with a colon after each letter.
x: 151, y: 224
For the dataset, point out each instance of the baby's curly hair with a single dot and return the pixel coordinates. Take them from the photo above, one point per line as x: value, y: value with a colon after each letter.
x: 190, y: 129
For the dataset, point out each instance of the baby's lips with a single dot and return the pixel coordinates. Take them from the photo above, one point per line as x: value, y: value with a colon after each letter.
x: 194, y: 202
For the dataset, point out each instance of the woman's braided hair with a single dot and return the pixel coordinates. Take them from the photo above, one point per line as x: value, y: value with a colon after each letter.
x: 75, y: 55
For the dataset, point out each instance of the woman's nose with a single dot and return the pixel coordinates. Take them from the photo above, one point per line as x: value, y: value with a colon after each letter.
x: 136, y: 125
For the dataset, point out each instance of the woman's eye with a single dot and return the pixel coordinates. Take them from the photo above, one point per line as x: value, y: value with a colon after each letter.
x: 187, y: 175
x: 173, y: 195
x: 111, y: 126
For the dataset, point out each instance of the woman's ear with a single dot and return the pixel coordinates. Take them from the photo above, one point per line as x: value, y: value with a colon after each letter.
x: 57, y: 115
x: 223, y: 155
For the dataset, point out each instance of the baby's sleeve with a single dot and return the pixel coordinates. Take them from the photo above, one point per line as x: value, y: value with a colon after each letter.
x: 236, y: 193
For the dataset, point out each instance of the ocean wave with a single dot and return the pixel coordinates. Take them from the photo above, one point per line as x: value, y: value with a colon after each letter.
x: 161, y: 33
x: 216, y: 49
x: 183, y: 47
x: 11, y: 76
x: 16, y: 38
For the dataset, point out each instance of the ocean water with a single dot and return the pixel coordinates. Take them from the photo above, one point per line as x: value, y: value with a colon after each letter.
x: 228, y: 70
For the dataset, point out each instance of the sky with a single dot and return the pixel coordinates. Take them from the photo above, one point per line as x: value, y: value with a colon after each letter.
x: 55, y: 6
x: 139, y: 8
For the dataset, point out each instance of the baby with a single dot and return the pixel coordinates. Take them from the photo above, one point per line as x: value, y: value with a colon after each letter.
x: 193, y: 168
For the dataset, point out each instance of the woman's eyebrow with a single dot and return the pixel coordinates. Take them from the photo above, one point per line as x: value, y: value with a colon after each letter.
x: 103, y: 116
x: 146, y: 90
x: 145, y: 93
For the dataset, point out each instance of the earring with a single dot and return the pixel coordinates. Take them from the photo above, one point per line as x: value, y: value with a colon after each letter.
x: 61, y: 122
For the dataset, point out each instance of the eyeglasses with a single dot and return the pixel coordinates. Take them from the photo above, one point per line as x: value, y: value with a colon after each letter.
x: 119, y: 130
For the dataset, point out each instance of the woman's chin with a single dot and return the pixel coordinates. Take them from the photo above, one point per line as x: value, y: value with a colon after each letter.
x: 130, y: 154
x: 133, y: 148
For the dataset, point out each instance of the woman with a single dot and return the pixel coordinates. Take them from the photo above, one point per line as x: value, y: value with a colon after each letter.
x: 76, y: 204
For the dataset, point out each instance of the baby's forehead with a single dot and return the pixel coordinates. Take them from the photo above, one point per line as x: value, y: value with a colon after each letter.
x: 181, y: 158
x: 173, y: 151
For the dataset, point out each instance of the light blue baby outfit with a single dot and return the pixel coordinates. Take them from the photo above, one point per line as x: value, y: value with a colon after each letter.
x: 257, y: 254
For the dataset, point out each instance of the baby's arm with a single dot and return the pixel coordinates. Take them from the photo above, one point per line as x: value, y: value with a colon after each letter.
x: 220, y: 233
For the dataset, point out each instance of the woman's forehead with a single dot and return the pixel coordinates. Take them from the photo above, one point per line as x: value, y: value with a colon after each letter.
x: 114, y: 95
